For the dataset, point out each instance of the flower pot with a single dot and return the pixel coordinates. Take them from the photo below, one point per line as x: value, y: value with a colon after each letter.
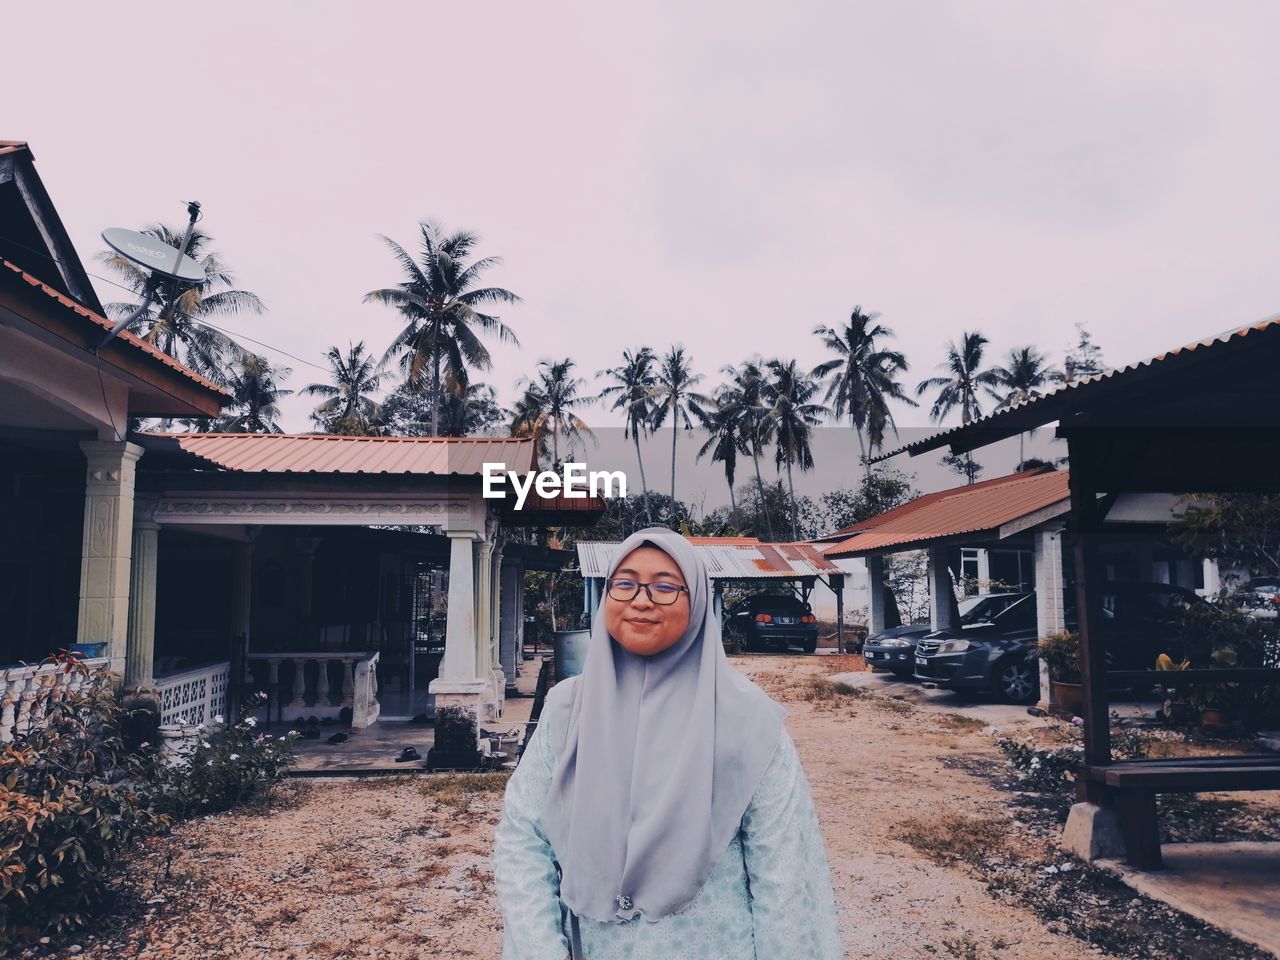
x: 1068, y: 698
x: 1213, y: 720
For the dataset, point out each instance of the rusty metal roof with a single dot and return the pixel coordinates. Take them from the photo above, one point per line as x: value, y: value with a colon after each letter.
x: 124, y: 336
x: 988, y: 508
x: 1070, y: 397
x: 318, y: 453
x: 727, y: 558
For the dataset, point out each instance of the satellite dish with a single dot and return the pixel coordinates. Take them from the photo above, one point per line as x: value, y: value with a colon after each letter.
x: 162, y: 262
x: 154, y: 255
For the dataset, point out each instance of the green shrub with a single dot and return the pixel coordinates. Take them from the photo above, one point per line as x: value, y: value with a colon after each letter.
x: 71, y: 797
x: 230, y: 764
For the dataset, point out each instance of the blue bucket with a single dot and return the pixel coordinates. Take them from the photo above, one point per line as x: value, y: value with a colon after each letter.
x: 570, y: 652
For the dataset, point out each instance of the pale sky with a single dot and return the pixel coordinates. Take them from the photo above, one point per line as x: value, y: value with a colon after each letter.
x: 708, y: 174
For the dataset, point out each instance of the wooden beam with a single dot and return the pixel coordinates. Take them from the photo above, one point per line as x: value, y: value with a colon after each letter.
x: 1085, y: 521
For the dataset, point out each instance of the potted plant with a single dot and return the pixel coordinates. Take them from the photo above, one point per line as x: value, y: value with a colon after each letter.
x: 1176, y: 707
x: 1212, y: 699
x: 1061, y: 652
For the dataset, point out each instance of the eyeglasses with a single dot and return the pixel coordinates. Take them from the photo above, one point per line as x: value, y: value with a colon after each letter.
x: 663, y: 594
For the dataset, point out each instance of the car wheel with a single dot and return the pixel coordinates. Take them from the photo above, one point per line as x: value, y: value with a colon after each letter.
x: 810, y: 646
x: 1017, y: 680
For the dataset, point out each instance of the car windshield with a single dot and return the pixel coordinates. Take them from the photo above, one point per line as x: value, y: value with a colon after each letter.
x: 985, y: 609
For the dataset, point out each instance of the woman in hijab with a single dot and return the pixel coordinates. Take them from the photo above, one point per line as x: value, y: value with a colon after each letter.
x: 660, y: 810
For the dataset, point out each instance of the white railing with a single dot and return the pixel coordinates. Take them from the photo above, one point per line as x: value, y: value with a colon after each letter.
x: 313, y: 689
x: 26, y: 693
x: 194, y: 696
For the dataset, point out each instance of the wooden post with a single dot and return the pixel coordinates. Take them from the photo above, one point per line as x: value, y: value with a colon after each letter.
x: 1086, y: 523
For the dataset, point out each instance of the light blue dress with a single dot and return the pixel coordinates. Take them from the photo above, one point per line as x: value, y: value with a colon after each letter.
x: 769, y: 897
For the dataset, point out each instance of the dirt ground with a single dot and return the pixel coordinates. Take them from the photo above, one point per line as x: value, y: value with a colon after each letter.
x: 929, y: 858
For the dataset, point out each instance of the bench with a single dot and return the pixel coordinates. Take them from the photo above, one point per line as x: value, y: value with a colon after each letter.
x: 1132, y: 785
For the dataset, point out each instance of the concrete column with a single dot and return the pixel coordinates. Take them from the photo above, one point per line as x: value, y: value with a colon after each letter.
x: 875, y: 599
x: 508, y: 625
x: 141, y: 648
x: 1212, y: 579
x: 717, y: 601
x: 484, y: 608
x: 107, y: 546
x: 1050, y: 616
x: 941, y: 594
x: 495, y: 627
x: 459, y: 660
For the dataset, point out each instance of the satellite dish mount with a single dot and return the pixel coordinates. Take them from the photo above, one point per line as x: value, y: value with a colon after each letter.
x: 163, y: 263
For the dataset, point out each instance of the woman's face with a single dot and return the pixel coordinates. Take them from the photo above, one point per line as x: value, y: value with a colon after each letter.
x: 639, y: 625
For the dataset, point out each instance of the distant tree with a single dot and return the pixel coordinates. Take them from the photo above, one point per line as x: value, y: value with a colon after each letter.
x: 549, y: 401
x: 788, y: 394
x: 747, y: 406
x: 1237, y: 529
x: 863, y: 379
x: 471, y: 412
x: 349, y: 407
x: 674, y: 396
x: 726, y: 439
x: 255, y: 384
x: 963, y: 465
x: 758, y: 515
x: 1082, y: 360
x: 959, y: 387
x: 631, y: 387
x: 887, y: 488
x: 1025, y: 377
x: 440, y: 299
x: 180, y: 321
x: 623, y: 516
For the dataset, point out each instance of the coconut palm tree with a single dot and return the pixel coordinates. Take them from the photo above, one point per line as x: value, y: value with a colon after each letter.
x: 440, y: 299
x: 727, y: 438
x: 745, y: 405
x: 549, y: 400
x: 632, y: 392
x: 864, y: 378
x: 674, y: 396
x: 349, y: 407
x: 180, y: 321
x: 255, y: 384
x: 959, y: 387
x: 788, y: 392
x: 1026, y: 376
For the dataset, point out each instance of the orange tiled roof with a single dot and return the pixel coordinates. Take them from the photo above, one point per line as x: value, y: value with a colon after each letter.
x: 979, y: 508
x: 124, y: 336
x: 320, y: 453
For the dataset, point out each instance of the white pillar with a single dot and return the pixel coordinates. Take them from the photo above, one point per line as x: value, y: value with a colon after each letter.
x: 107, y: 546
x: 508, y: 632
x: 941, y: 593
x: 484, y: 607
x: 1050, y: 615
x: 459, y: 660
x: 141, y: 649
x: 1212, y: 579
x: 875, y: 599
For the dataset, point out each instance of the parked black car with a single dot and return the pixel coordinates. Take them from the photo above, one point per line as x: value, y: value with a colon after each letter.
x: 894, y: 649
x: 772, y: 621
x: 1139, y: 622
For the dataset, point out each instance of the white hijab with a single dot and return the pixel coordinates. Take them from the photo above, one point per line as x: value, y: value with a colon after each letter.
x: 660, y: 761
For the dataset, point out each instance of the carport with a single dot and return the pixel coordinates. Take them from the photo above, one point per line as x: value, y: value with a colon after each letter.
x: 1204, y: 418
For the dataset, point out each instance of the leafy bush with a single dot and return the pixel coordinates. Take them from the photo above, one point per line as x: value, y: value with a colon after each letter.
x: 1061, y: 651
x: 229, y: 764
x: 71, y: 797
x: 1052, y: 769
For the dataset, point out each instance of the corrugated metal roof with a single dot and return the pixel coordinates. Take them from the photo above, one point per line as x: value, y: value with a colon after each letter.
x: 124, y: 336
x: 315, y: 453
x: 1051, y: 406
x: 727, y: 558
x: 980, y: 508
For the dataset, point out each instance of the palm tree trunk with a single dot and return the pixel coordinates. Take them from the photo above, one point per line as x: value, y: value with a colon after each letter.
x: 1021, y: 454
x: 733, y: 501
x: 435, y: 393
x: 768, y: 524
x: 791, y: 490
x: 674, y: 414
x: 644, y: 486
x: 862, y: 455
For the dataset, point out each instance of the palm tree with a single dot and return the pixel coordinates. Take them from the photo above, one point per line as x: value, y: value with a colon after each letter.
x: 349, y: 407
x: 727, y: 438
x: 864, y: 378
x: 959, y: 388
x: 180, y: 321
x: 787, y: 392
x: 548, y: 403
x: 746, y: 405
x: 440, y: 300
x: 255, y: 384
x: 1026, y: 375
x: 632, y: 392
x: 673, y: 395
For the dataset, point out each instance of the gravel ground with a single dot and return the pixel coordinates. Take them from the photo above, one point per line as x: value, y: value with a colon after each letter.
x: 929, y: 851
